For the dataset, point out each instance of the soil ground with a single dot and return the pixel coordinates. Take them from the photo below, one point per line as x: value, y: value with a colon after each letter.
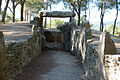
x: 15, y: 32
x: 52, y: 65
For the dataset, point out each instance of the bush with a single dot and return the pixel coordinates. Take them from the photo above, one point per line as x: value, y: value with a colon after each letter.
x: 109, y: 28
x: 55, y: 23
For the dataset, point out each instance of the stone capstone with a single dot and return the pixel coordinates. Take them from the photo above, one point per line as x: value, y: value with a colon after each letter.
x: 57, y: 13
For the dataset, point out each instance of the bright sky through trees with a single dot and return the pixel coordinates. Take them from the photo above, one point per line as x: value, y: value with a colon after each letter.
x: 94, y: 13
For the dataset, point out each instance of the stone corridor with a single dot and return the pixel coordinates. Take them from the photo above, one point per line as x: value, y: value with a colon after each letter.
x: 52, y: 65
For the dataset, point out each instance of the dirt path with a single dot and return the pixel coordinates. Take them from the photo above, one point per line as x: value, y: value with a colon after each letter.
x: 15, y: 32
x: 52, y: 65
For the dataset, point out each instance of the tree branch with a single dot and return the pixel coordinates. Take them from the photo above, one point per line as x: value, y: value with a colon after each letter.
x: 74, y: 7
x: 17, y: 3
x: 10, y: 9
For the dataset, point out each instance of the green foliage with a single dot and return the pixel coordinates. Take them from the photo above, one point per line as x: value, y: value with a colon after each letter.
x: 55, y: 23
x: 109, y: 28
x: 1, y: 13
x: 17, y: 20
x: 34, y: 5
x: 9, y: 18
x: 107, y: 4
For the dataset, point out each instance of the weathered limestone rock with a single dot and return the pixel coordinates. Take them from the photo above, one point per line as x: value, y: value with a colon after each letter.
x: 57, y: 14
x: 52, y: 35
x: 90, y: 65
x: 90, y: 55
x: 101, y: 47
x: 83, y: 43
x: 88, y: 28
x: 18, y: 55
x: 36, y: 25
x: 79, y: 42
x: 112, y: 67
x: 75, y: 41
x: 2, y: 56
x: 73, y: 21
x: 66, y: 30
x: 107, y: 44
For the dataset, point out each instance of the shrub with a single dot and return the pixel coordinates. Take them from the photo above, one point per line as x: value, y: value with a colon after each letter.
x: 109, y: 28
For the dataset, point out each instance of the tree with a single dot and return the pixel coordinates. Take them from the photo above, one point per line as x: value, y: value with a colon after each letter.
x: 116, y: 3
x: 102, y: 6
x: 14, y: 3
x: 102, y: 15
x: 5, y: 10
x: 0, y: 5
x: 76, y: 5
x: 55, y: 23
x: 32, y: 7
x: 22, y: 2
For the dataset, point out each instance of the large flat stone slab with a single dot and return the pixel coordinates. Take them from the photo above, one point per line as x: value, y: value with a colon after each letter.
x: 57, y: 14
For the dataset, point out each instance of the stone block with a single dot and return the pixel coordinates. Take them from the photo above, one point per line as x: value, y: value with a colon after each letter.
x: 2, y: 56
x: 107, y: 44
x: 86, y: 24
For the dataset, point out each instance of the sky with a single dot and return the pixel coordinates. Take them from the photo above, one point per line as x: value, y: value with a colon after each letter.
x: 94, y: 13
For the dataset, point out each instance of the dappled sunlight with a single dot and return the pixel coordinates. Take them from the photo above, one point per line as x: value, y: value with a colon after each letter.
x: 59, y: 39
x: 16, y: 33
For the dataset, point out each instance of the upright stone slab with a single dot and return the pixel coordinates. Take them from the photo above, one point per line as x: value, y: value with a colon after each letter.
x: 107, y: 44
x: 88, y: 28
x: 2, y: 54
x: 104, y: 40
x: 41, y: 23
x: 36, y: 25
x: 83, y: 43
x: 66, y: 30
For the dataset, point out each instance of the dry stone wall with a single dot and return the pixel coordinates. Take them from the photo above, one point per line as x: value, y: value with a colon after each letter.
x: 97, y: 65
x: 90, y: 64
x: 18, y: 55
x: 112, y: 67
x: 2, y: 57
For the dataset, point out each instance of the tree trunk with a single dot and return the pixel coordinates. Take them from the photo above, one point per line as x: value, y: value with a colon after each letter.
x: 27, y: 15
x: 45, y: 23
x: 101, y: 17
x: 13, y: 12
x: 22, y: 9
x: 0, y: 5
x: 46, y: 8
x: 85, y: 9
x: 116, y: 16
x: 5, y: 10
x: 79, y: 10
x: 89, y: 12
